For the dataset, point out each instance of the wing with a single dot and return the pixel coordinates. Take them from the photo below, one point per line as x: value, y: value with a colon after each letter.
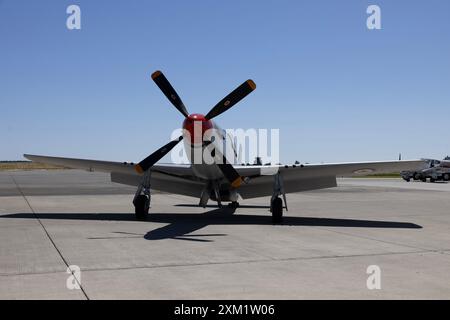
x: 314, y: 176
x: 172, y: 178
x: 90, y: 165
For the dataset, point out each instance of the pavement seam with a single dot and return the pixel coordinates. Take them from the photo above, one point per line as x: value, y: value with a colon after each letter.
x: 47, y: 233
x: 29, y: 273
x: 260, y: 260
x: 447, y: 251
x: 378, y: 240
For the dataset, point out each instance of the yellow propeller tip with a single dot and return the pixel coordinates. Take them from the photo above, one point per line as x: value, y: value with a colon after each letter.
x: 251, y: 84
x: 156, y: 74
x: 237, y: 182
x: 138, y: 169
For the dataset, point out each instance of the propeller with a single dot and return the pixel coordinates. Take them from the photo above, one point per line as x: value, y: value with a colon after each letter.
x: 226, y: 103
x: 165, y: 86
x: 231, y: 99
x: 230, y: 173
x: 148, y: 162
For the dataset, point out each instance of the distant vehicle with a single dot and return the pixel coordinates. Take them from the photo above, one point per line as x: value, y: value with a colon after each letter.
x: 436, y: 170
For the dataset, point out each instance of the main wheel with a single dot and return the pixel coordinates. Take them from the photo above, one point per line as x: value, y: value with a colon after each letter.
x: 416, y: 176
x: 141, y: 206
x: 233, y: 205
x: 277, y: 210
x: 446, y: 177
x: 432, y: 180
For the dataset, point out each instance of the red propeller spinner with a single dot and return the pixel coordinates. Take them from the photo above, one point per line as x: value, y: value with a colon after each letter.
x: 196, y: 125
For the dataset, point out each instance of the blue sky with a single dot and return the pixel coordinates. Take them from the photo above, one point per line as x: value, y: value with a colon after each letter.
x: 336, y: 90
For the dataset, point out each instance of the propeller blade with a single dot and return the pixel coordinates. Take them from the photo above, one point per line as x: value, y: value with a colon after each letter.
x: 230, y: 100
x: 230, y: 173
x: 165, y: 86
x: 148, y: 162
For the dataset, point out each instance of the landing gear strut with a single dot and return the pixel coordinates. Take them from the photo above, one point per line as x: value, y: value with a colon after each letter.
x: 276, y: 204
x: 142, y: 198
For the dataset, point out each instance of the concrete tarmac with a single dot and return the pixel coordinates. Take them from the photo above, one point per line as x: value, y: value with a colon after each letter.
x: 52, y: 219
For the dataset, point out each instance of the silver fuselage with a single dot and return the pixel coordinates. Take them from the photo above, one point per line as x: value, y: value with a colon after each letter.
x: 203, y: 166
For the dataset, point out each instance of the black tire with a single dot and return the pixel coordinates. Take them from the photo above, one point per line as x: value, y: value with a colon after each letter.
x: 432, y: 180
x: 423, y: 179
x: 141, y: 206
x: 416, y: 176
x: 233, y: 205
x: 446, y: 177
x: 277, y: 210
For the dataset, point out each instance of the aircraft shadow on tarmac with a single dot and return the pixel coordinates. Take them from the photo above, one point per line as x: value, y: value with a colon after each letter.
x: 180, y: 226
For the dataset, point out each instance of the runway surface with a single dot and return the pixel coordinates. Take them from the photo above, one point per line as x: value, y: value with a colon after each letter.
x: 52, y: 219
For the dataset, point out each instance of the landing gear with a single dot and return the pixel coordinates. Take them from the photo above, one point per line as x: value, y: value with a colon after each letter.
x: 276, y: 204
x: 233, y: 205
x: 141, y: 207
x: 277, y: 210
x: 142, y: 198
x: 216, y: 189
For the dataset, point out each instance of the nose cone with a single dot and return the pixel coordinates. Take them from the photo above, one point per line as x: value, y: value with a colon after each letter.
x: 196, y: 125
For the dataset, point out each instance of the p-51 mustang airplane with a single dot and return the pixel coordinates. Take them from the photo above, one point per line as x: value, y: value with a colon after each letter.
x: 220, y: 180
